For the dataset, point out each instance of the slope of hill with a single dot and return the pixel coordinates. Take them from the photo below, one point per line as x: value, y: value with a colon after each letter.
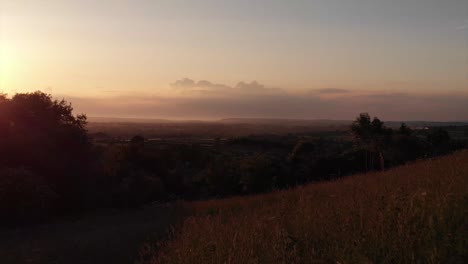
x: 411, y: 214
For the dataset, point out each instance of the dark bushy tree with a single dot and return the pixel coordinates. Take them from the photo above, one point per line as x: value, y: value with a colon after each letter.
x: 438, y: 137
x: 257, y: 174
x: 362, y: 128
x: 440, y: 140
x: 24, y: 196
x: 42, y: 135
x: 405, y: 130
x: 373, y: 135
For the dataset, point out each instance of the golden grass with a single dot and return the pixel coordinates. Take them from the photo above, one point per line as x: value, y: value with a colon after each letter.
x: 411, y: 214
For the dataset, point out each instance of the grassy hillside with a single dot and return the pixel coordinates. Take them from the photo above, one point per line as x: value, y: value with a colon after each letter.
x: 411, y: 214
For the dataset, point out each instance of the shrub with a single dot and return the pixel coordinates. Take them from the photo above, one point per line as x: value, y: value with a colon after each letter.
x: 256, y: 174
x: 138, y: 187
x: 24, y: 196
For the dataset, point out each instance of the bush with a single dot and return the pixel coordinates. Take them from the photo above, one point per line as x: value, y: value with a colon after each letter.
x: 138, y: 187
x: 257, y: 174
x: 24, y: 196
x: 221, y: 177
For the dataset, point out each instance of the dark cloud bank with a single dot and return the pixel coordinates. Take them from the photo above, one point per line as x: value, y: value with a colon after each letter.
x: 207, y: 100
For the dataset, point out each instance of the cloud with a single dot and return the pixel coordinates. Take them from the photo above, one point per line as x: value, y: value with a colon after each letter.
x: 250, y: 86
x: 189, y: 84
x: 184, y: 83
x: 207, y: 87
x: 332, y: 91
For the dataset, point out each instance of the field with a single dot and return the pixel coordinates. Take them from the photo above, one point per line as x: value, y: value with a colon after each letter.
x: 411, y: 214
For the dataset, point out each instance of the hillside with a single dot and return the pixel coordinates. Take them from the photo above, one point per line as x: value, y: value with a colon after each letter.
x: 411, y: 214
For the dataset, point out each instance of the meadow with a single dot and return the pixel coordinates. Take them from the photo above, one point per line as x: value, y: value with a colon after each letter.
x: 414, y: 213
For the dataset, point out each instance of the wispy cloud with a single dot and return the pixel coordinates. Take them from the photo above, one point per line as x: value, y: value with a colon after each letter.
x: 332, y: 91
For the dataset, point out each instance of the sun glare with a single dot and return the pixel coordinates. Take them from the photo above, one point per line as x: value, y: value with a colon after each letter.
x: 9, y: 65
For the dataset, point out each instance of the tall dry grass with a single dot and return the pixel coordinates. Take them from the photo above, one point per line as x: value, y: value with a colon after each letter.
x: 411, y: 214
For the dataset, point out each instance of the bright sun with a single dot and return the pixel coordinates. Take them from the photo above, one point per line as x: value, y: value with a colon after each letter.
x: 8, y: 67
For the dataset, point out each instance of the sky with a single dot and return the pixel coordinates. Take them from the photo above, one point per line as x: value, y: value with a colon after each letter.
x: 210, y: 59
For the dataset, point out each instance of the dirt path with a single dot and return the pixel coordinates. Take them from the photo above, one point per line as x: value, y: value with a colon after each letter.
x: 106, y: 237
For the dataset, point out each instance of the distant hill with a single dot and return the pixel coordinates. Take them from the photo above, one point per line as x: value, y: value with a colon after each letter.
x: 330, y: 122
x: 281, y: 121
x: 95, y: 119
x: 269, y: 121
x: 424, y: 123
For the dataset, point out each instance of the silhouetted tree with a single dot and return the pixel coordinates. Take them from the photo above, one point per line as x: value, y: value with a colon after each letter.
x: 405, y: 130
x: 440, y: 140
x: 362, y: 128
x: 371, y: 134
x: 137, y: 141
x: 42, y: 135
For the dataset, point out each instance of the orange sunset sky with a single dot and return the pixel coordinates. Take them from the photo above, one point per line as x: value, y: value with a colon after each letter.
x: 207, y: 59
